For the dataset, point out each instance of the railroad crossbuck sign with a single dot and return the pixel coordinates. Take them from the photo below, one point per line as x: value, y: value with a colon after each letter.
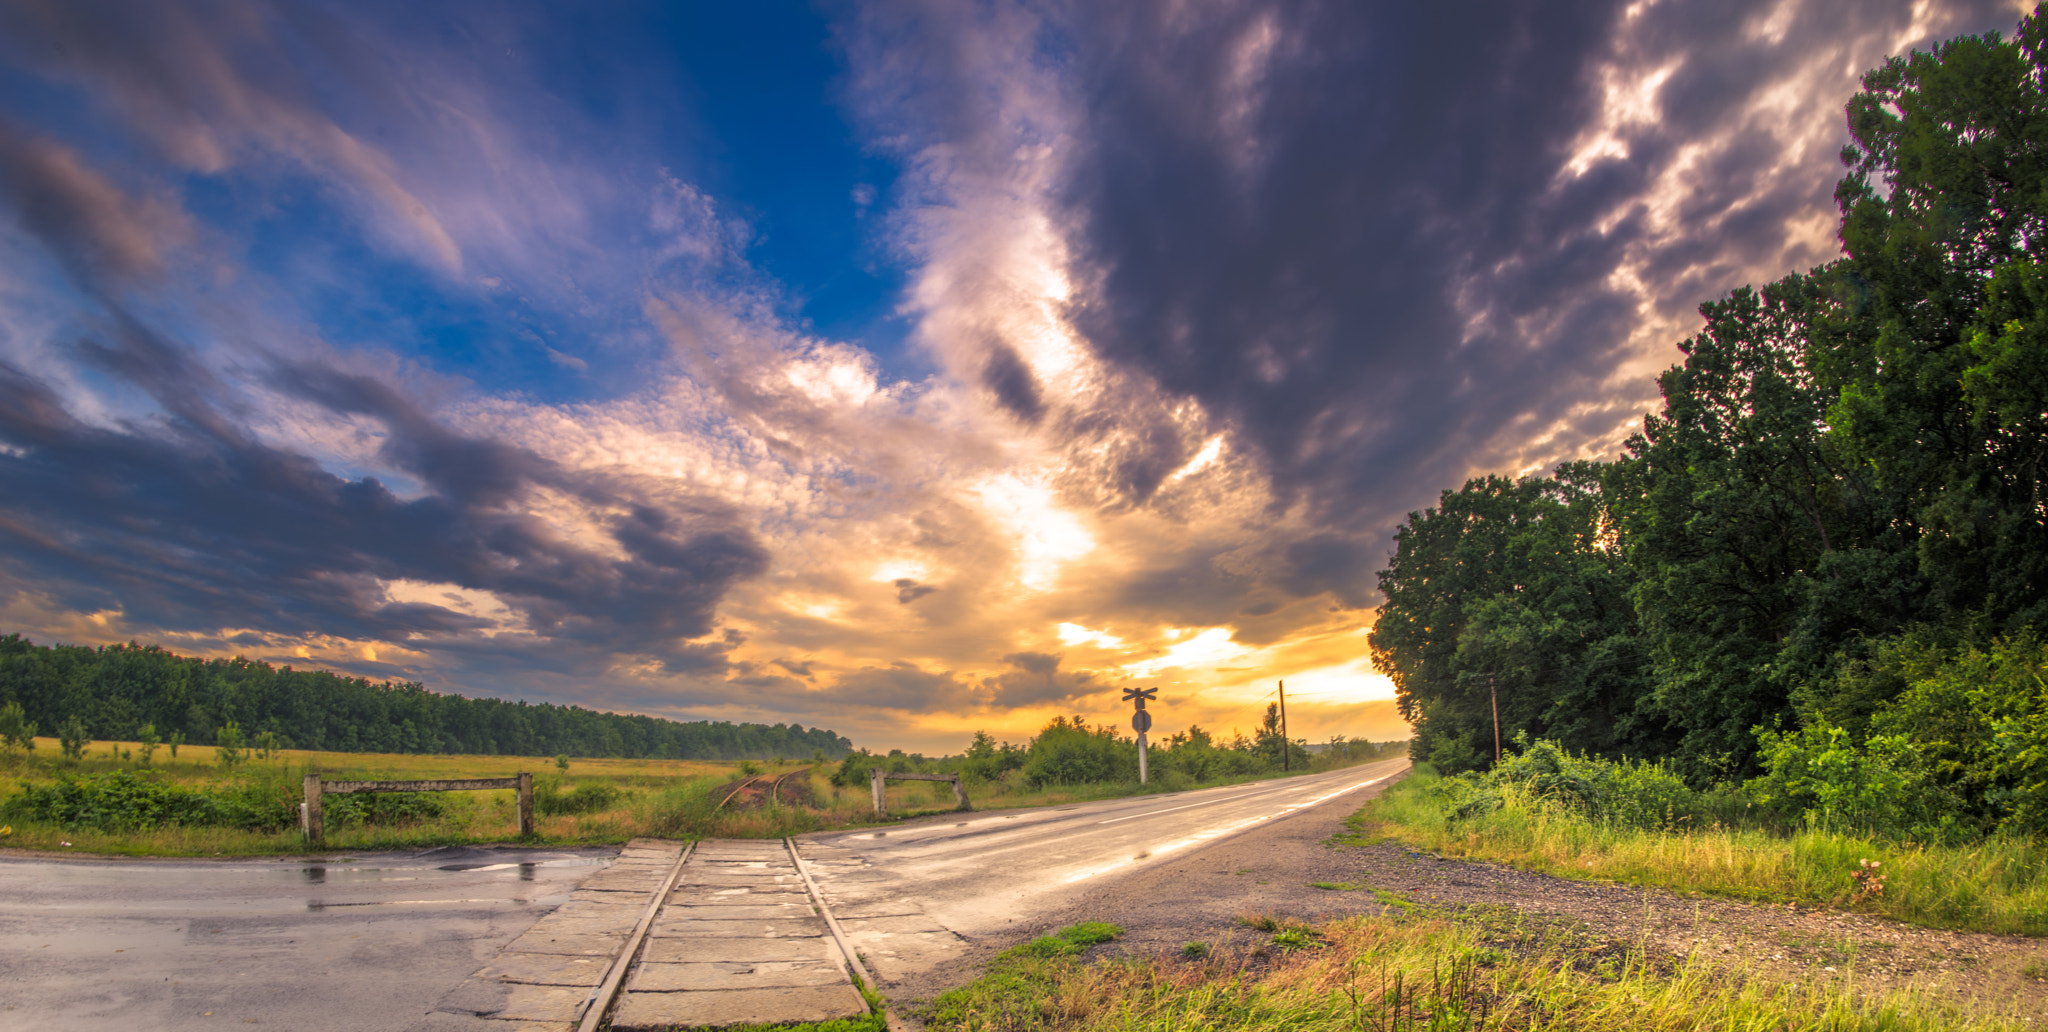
x: 1141, y: 721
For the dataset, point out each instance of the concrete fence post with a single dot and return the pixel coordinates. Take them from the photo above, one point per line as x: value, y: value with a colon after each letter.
x: 525, y: 805
x: 878, y: 785
x: 960, y: 794
x: 309, y: 813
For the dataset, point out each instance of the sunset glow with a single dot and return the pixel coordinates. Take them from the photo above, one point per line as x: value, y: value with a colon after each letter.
x: 902, y: 369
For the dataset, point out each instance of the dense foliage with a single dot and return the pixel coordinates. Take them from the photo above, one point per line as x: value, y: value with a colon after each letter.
x: 117, y: 691
x: 1825, y: 558
x: 123, y: 800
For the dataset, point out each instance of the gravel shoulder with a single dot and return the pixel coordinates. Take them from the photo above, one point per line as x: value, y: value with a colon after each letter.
x: 1272, y: 871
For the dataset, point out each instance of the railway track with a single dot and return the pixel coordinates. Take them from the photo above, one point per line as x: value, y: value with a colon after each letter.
x: 774, y: 787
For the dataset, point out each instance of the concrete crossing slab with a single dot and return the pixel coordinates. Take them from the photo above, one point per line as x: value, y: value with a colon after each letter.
x: 704, y: 950
x: 545, y: 969
x: 574, y: 945
x: 731, y: 975
x: 737, y: 1007
x: 740, y: 940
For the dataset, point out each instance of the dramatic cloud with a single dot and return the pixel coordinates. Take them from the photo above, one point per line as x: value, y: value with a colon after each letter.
x: 419, y: 345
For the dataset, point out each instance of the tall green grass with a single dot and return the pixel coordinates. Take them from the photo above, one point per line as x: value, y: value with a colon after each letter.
x: 1997, y: 885
x: 1381, y: 975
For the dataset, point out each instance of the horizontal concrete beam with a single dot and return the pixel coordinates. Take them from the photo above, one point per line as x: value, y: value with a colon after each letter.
x: 439, y: 785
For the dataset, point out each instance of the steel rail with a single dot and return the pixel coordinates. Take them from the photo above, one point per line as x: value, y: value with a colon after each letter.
x: 736, y: 790
x: 775, y: 792
x: 600, y: 1000
x: 862, y: 977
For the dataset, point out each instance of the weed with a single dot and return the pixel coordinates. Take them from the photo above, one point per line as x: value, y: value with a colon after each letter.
x: 1068, y: 941
x: 1194, y: 950
x: 1869, y: 883
x: 1290, y: 939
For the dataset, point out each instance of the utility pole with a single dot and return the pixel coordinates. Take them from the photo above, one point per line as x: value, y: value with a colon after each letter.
x: 1286, y: 744
x: 1495, y: 692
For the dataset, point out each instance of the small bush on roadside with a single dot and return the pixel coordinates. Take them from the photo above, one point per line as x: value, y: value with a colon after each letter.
x: 127, y: 801
x: 1625, y: 793
x: 592, y: 797
x: 382, y: 808
x: 1069, y: 752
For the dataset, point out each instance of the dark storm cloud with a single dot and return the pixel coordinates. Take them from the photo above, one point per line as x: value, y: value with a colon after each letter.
x: 1035, y: 679
x: 1012, y: 382
x: 908, y: 590
x: 1298, y: 269
x: 184, y: 520
x: 1347, y: 228
x: 901, y: 686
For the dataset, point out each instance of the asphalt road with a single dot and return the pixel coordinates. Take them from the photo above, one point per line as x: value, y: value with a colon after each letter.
x: 375, y: 941
x: 366, y: 943
x: 988, y: 873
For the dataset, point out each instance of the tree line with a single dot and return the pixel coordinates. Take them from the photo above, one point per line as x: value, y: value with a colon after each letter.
x: 1071, y: 751
x: 115, y: 691
x: 1832, y: 539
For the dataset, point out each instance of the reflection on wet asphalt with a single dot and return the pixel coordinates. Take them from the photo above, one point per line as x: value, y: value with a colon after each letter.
x: 360, y: 941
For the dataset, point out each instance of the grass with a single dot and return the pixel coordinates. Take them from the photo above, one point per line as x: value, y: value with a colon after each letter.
x: 1380, y: 975
x: 657, y: 798
x: 1998, y: 885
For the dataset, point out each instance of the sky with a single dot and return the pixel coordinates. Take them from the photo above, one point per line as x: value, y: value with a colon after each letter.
x: 904, y: 367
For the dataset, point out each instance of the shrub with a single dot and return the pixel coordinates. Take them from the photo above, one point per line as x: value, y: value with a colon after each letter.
x: 17, y: 732
x: 1627, y: 793
x: 1961, y: 753
x: 227, y: 745
x: 125, y: 801
x: 854, y: 769
x: 354, y: 808
x: 71, y: 738
x: 551, y: 801
x: 1069, y: 752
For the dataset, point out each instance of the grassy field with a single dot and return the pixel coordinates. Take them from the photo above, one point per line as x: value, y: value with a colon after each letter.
x: 1998, y: 885
x: 1393, y: 974
x: 662, y: 798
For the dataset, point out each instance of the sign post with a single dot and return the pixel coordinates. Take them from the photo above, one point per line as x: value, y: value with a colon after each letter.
x: 1141, y: 722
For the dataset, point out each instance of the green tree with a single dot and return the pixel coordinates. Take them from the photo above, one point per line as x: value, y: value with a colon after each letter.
x: 17, y: 732
x: 72, y: 738
x: 176, y: 739
x: 1945, y: 362
x: 147, y: 738
x: 1756, y: 550
x: 227, y: 745
x: 1513, y: 587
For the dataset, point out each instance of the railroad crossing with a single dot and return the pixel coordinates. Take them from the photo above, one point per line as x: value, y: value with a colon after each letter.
x: 720, y: 932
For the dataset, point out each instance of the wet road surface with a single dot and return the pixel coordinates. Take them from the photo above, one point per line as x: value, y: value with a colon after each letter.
x: 913, y: 898
x: 366, y: 943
